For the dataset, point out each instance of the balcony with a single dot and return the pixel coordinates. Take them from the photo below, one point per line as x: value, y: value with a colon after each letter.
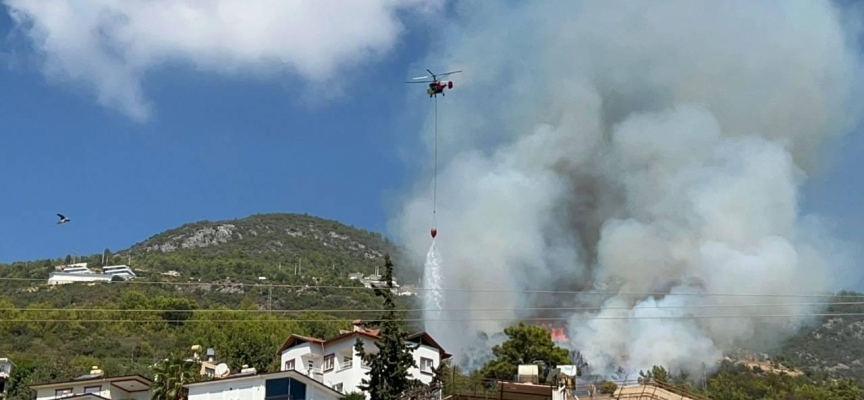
x: 314, y: 373
x: 346, y: 365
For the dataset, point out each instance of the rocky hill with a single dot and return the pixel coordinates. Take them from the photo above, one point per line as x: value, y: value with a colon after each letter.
x: 274, y: 244
x: 269, y: 233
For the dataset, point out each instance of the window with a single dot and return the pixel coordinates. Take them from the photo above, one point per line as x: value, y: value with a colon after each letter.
x: 289, y: 365
x: 338, y: 387
x: 93, y: 389
x: 426, y: 365
x: 58, y: 393
x: 284, y: 388
x: 328, y: 362
x: 311, y: 365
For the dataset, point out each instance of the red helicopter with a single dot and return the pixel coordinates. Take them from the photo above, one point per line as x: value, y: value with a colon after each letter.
x: 436, y: 86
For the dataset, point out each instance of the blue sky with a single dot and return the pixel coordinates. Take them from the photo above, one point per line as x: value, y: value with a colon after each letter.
x: 215, y: 148
x: 219, y: 146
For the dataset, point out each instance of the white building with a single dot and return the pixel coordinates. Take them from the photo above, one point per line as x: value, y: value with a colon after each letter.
x: 6, y: 366
x: 95, y: 386
x: 80, y: 273
x: 60, y: 278
x: 120, y: 270
x: 79, y: 268
x: 283, y: 385
x: 334, y: 362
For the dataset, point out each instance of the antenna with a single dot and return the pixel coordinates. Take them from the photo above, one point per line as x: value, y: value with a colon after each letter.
x: 222, y: 370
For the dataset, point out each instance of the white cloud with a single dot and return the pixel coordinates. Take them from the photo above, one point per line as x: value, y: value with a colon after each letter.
x: 110, y: 44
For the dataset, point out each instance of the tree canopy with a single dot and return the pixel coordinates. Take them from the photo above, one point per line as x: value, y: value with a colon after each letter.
x: 736, y: 381
x: 526, y: 344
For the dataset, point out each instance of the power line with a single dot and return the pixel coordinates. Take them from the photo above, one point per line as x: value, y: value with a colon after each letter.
x: 345, y: 310
x: 471, y: 290
x: 449, y: 319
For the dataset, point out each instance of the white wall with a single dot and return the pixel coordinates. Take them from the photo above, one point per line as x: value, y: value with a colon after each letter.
x: 61, y: 278
x: 429, y: 352
x: 319, y: 394
x: 349, y: 378
x: 251, y: 388
x: 5, y: 369
x: 108, y: 392
x: 300, y: 354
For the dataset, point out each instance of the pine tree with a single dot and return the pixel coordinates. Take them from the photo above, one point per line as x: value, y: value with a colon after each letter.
x: 388, y: 377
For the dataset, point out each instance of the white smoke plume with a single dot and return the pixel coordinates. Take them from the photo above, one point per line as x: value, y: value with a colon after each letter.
x: 636, y: 147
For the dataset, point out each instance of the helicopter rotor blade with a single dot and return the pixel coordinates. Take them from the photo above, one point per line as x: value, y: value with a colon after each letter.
x: 451, y: 72
x: 420, y: 82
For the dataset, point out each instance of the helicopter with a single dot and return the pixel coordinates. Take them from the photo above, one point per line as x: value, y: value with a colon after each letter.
x: 436, y: 86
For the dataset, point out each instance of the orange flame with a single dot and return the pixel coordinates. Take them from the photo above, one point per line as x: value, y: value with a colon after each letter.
x: 557, y: 334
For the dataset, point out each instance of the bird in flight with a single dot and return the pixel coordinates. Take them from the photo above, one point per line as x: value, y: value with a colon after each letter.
x: 63, y: 219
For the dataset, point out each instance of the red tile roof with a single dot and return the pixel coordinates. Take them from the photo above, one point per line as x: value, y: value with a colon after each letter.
x: 419, y: 337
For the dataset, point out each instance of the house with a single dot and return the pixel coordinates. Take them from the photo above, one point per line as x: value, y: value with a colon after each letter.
x: 282, y: 385
x: 336, y: 364
x: 96, y: 386
x: 122, y: 271
x: 6, y: 366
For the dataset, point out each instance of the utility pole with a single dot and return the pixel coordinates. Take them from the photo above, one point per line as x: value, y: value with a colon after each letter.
x: 703, y: 378
x: 452, y: 380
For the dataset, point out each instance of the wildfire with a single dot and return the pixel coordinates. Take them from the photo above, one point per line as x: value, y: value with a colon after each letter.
x: 558, y: 333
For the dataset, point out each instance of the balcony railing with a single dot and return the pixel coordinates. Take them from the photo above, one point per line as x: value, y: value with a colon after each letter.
x: 314, y: 373
x: 346, y: 365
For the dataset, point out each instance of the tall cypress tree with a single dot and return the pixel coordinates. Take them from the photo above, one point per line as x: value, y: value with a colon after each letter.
x: 388, y: 377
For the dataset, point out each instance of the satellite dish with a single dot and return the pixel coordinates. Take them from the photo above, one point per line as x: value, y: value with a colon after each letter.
x: 222, y: 370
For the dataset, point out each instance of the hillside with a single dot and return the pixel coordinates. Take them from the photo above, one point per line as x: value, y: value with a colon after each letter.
x: 262, y: 234
x: 836, y: 345
x: 284, y: 248
x: 260, y: 244
x: 211, y: 269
